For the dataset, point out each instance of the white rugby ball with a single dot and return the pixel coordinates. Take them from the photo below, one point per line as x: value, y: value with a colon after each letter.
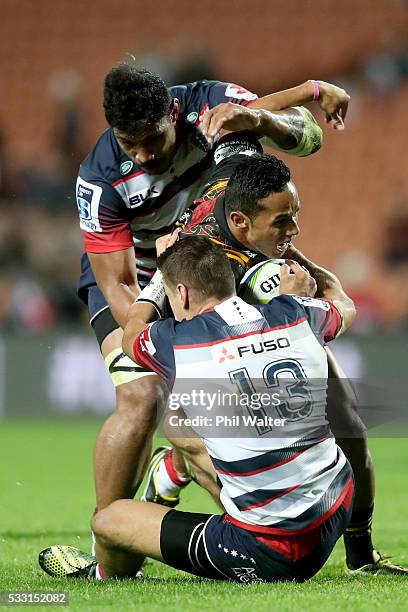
x: 261, y: 283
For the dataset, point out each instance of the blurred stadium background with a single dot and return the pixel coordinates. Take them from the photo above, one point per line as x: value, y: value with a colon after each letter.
x: 354, y: 192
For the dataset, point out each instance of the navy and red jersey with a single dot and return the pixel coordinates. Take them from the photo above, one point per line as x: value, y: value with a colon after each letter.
x: 121, y: 206
x: 294, y: 479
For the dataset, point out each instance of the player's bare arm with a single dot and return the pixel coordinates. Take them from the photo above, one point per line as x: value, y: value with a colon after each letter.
x: 284, y: 129
x: 116, y: 276
x: 328, y: 287
x: 344, y: 304
x: 147, y: 307
x: 326, y: 281
x: 332, y: 100
x: 139, y: 314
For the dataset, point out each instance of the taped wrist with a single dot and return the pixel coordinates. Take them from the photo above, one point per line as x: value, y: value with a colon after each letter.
x: 154, y: 293
x: 312, y: 137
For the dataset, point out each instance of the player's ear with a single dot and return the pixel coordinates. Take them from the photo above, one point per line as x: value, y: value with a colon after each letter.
x: 239, y: 220
x: 182, y: 294
x: 174, y: 110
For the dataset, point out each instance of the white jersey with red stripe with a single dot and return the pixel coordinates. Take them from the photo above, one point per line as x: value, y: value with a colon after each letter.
x: 290, y: 478
x: 121, y: 206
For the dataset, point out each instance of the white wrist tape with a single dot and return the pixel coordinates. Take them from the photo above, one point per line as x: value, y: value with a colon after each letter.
x: 154, y: 293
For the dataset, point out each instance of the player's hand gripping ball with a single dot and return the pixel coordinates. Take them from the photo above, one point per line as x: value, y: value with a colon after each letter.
x: 261, y: 283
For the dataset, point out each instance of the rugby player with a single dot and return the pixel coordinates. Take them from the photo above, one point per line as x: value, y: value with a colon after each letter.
x: 287, y: 499
x: 255, y: 219
x: 142, y: 174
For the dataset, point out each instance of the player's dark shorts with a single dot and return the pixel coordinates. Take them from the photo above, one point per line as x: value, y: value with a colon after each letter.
x: 120, y: 367
x: 100, y: 315
x: 211, y: 546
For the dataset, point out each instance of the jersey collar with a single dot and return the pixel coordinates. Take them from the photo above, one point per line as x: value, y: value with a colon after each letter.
x: 221, y: 219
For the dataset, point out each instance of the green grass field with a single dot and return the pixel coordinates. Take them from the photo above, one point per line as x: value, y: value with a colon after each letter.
x: 47, y: 498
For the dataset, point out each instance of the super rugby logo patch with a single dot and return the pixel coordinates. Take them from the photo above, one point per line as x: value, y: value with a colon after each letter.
x: 84, y: 201
x: 88, y: 197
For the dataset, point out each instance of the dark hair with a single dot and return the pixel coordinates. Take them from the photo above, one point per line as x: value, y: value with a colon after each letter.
x: 254, y: 179
x: 200, y: 264
x: 134, y: 97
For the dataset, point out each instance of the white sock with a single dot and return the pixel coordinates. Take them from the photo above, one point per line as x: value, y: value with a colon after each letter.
x: 99, y: 575
x: 168, y: 481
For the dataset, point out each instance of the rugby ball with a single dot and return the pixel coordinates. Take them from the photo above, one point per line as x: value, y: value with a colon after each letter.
x: 261, y: 282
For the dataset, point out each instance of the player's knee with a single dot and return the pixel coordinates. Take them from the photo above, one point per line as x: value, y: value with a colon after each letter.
x: 101, y: 525
x: 106, y: 523
x: 138, y: 397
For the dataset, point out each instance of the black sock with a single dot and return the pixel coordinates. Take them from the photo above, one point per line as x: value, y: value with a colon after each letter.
x: 357, y: 539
